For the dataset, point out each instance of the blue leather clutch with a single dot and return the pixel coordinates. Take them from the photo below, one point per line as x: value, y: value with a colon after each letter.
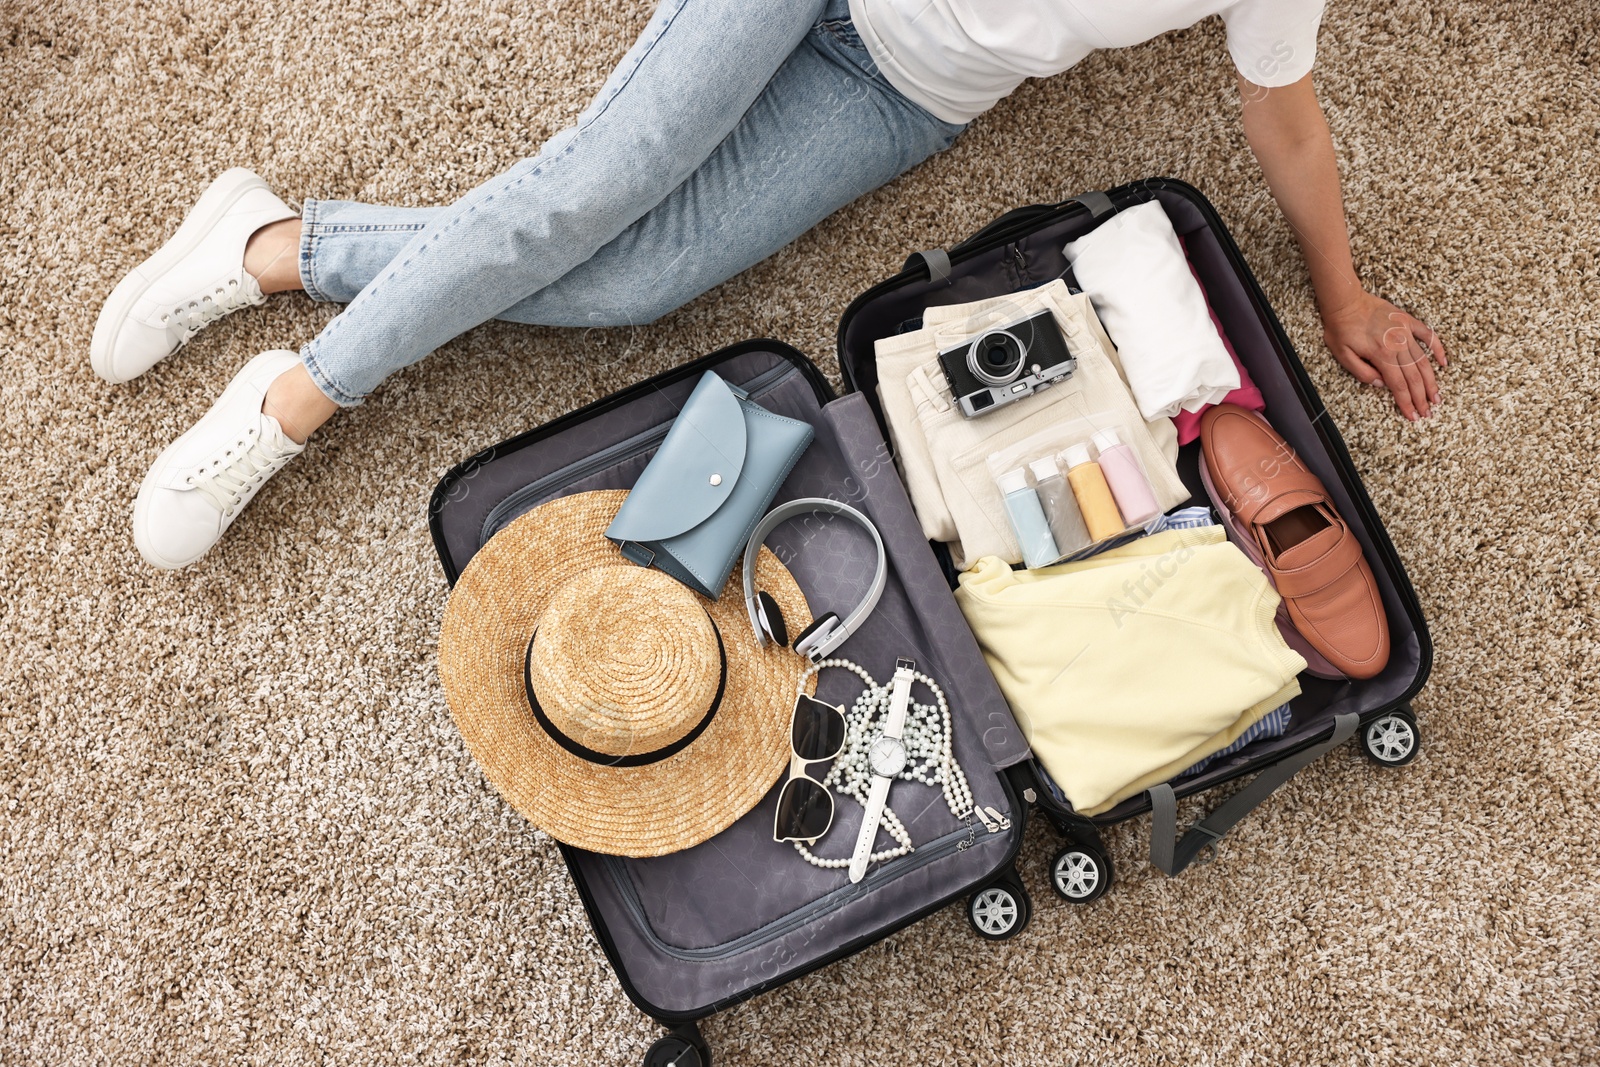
x: 692, y: 510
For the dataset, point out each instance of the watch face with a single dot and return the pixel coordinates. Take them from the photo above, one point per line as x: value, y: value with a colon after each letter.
x: 887, y: 756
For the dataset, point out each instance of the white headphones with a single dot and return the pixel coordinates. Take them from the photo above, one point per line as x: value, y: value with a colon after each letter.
x: 826, y: 633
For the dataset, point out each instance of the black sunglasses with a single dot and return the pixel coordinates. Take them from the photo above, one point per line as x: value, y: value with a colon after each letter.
x: 805, y: 806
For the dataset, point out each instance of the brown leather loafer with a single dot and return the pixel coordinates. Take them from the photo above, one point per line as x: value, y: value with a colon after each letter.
x: 1313, y: 558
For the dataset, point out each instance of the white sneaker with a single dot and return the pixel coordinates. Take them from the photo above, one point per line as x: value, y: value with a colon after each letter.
x: 192, y: 281
x: 201, y: 482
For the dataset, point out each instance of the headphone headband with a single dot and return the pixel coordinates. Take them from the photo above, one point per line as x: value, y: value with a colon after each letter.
x: 827, y: 632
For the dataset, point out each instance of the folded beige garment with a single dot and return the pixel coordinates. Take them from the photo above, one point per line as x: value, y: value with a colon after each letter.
x: 942, y: 454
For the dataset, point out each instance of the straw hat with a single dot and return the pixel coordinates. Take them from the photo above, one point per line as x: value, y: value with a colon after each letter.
x: 613, y: 707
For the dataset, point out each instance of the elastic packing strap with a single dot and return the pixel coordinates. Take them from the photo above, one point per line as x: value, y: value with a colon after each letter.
x: 1098, y: 203
x: 937, y: 260
x: 1171, y: 854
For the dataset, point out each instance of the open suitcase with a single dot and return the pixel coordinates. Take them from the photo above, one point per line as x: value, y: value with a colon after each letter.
x: 1023, y: 249
x: 699, y: 930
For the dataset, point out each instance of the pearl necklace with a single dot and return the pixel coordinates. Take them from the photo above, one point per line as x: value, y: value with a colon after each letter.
x: 930, y: 758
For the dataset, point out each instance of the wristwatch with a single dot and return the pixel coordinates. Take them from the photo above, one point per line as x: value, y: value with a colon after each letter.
x: 887, y: 758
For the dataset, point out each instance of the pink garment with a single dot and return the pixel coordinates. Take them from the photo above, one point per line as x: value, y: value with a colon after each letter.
x: 1246, y: 396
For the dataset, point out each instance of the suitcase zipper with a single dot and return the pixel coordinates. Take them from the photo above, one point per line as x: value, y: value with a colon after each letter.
x: 523, y: 499
x: 935, y: 849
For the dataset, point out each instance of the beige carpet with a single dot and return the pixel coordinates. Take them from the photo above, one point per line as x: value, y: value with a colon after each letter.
x: 237, y: 824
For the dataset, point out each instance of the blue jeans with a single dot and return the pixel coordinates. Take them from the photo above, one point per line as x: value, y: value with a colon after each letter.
x: 730, y: 128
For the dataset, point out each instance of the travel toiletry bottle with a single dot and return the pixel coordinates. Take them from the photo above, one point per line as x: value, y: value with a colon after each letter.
x: 1129, y: 487
x: 1094, y: 498
x: 1060, y: 509
x: 1027, y: 520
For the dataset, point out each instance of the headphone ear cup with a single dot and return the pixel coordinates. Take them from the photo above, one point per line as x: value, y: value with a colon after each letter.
x: 816, y: 633
x: 771, y: 617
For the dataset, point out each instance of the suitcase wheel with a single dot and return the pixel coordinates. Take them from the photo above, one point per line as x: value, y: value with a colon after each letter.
x: 683, y: 1047
x: 999, y: 911
x: 1392, y: 740
x: 1080, y: 873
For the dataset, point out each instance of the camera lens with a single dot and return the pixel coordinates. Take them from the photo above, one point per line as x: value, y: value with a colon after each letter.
x: 996, y: 358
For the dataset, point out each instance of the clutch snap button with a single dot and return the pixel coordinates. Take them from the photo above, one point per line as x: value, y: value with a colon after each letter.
x: 716, y: 479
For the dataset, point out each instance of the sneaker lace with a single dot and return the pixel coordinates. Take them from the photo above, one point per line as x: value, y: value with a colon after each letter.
x: 231, y: 295
x: 235, y: 475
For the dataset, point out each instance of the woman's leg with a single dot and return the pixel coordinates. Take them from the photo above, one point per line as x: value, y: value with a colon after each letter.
x: 826, y: 130
x: 679, y: 91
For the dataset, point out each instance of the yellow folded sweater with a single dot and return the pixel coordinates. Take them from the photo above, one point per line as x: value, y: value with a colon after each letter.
x: 1126, y: 668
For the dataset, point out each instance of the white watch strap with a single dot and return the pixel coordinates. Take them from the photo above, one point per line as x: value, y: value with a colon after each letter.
x: 894, y: 723
x: 877, y: 796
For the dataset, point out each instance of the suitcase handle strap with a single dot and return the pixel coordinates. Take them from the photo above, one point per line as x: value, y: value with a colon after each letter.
x: 1171, y: 854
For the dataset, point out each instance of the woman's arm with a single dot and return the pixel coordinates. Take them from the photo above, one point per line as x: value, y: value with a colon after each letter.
x: 1370, y: 337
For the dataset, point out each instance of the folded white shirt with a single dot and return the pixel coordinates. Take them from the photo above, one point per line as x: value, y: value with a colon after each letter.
x: 1133, y: 269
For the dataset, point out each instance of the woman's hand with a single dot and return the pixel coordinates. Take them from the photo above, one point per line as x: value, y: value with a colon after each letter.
x: 1384, y: 346
x: 1370, y: 337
